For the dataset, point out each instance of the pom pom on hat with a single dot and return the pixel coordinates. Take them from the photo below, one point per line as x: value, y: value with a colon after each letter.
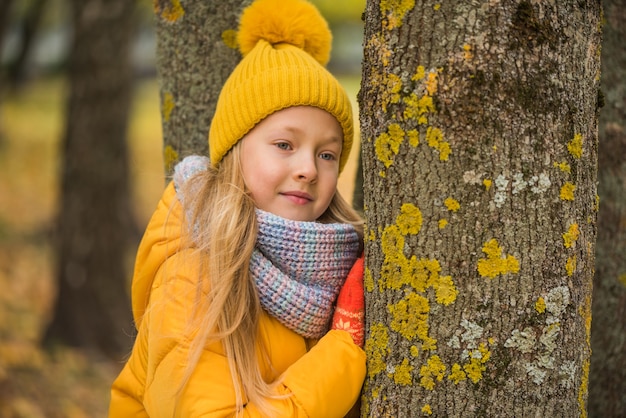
x: 295, y: 22
x: 285, y: 45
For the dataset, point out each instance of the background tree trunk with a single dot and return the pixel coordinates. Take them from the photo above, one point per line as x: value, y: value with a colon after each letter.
x: 6, y: 7
x: 28, y: 30
x: 479, y: 124
x: 196, y: 52
x: 607, y: 380
x: 95, y: 225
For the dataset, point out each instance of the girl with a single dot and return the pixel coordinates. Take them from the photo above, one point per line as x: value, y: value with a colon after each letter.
x: 247, y: 252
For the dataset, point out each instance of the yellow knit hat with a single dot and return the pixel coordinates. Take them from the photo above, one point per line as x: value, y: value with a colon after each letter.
x: 285, y: 46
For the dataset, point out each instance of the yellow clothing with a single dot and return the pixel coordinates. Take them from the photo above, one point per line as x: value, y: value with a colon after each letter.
x: 323, y: 381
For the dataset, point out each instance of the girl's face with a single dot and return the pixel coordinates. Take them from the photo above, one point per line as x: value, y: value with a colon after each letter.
x: 290, y: 162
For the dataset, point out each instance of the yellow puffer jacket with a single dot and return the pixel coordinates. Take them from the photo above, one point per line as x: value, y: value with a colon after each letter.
x: 322, y: 381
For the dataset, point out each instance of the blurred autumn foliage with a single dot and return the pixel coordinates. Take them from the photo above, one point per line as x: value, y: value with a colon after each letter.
x: 62, y: 382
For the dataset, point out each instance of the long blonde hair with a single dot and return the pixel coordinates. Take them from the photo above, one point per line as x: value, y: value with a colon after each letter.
x: 224, y: 227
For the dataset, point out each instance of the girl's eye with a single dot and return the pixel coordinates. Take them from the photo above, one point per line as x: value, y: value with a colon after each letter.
x: 327, y: 156
x: 283, y: 146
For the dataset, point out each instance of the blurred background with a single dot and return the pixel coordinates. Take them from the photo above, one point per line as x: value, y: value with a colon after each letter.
x: 39, y: 379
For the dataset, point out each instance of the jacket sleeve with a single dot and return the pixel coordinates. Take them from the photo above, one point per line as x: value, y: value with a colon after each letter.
x: 324, y: 382
x: 127, y: 390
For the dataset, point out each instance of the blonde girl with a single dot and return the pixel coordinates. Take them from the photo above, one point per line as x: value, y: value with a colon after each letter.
x: 240, y: 268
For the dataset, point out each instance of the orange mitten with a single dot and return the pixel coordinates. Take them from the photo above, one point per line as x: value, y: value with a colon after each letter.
x: 350, y: 311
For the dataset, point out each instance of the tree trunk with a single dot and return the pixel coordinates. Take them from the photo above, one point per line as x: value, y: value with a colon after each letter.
x: 357, y: 195
x: 95, y: 225
x: 607, y: 390
x: 196, y: 52
x: 479, y: 124
x: 6, y: 7
x: 28, y: 30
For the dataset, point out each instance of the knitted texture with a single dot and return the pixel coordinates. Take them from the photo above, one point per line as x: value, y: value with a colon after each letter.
x: 299, y: 268
x: 286, y: 44
x: 350, y: 311
x: 188, y: 167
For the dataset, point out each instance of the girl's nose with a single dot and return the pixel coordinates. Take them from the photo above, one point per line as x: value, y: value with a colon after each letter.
x: 306, y: 169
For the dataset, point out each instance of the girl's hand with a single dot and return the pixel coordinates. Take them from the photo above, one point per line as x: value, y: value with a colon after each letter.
x: 350, y: 311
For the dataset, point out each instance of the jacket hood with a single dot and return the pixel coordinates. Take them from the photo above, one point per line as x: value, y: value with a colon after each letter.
x: 161, y: 240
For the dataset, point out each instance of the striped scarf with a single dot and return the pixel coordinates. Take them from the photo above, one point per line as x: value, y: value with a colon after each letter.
x: 299, y: 267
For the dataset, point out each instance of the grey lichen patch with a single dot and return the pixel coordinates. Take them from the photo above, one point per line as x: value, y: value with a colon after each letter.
x: 473, y: 332
x: 556, y: 301
x: 567, y: 374
x: 524, y: 341
x: 544, y: 347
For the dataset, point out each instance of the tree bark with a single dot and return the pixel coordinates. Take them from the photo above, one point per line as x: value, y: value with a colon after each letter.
x: 95, y: 225
x: 607, y: 380
x: 196, y: 52
x: 357, y: 195
x: 479, y: 124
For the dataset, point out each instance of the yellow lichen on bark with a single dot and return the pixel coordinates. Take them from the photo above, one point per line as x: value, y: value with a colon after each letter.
x: 570, y: 237
x: 457, y: 374
x: 388, y: 144
x: 453, y: 205
x: 377, y: 348
x: 394, y: 11
x: 170, y: 157
x: 410, y: 219
x: 564, y: 167
x: 414, y: 137
x: 432, y: 82
x: 368, y: 280
x: 575, y: 146
x: 434, y: 369
x: 570, y: 265
x: 582, y: 390
x: 419, y: 73
x: 402, y: 373
x: 418, y: 108
x: 467, y: 52
x: 229, y: 37
x: 383, y: 54
x: 394, y: 85
x: 540, y: 305
x: 434, y: 138
x: 495, y: 264
x: 171, y: 13
x: 167, y: 106
x: 567, y: 191
x: 409, y: 317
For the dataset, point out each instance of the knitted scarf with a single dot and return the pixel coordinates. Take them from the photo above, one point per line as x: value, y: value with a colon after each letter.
x: 298, y: 267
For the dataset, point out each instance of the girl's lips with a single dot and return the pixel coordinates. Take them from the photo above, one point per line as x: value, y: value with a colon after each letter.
x: 298, y: 198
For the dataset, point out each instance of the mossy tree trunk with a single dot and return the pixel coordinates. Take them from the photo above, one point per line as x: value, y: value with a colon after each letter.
x: 196, y: 52
x: 95, y: 227
x: 479, y: 124
x: 607, y: 380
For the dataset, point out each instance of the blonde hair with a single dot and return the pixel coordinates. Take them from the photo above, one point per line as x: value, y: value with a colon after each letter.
x: 224, y: 224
